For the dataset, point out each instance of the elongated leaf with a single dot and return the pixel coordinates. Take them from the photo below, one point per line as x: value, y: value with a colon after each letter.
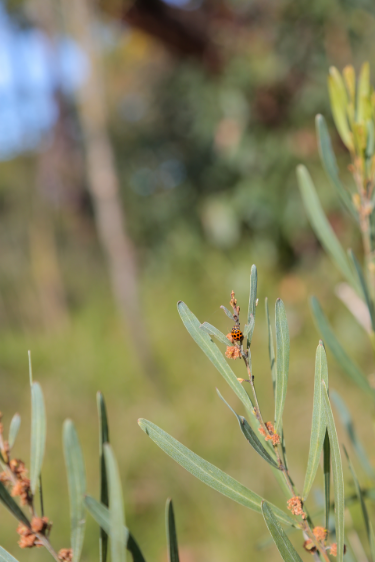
x: 248, y: 328
x: 365, y: 291
x: 5, y: 556
x: 347, y: 422
x: 282, y: 362
x: 212, y: 331
x: 337, y: 475
x: 116, y: 507
x: 103, y: 438
x: 271, y: 349
x: 207, y: 472
x: 327, y: 479
x: 321, y: 226
x: 101, y: 515
x: 252, y: 302
x: 318, y: 426
x: 38, y: 434
x: 7, y: 500
x: 227, y: 312
x: 329, y: 338
x: 284, y: 546
x: 339, y: 102
x: 204, y: 341
x: 369, y: 529
x: 171, y: 533
x: 75, y: 470
x: 13, y: 430
x: 251, y: 436
x: 363, y: 100
x: 329, y: 162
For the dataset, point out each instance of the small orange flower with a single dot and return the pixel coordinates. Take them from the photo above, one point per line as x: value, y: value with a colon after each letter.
x: 295, y: 506
x: 22, y: 489
x: 65, y: 555
x: 233, y: 352
x: 229, y: 336
x: 40, y: 524
x: 333, y: 551
x: 320, y: 533
x: 309, y: 546
x: 272, y: 435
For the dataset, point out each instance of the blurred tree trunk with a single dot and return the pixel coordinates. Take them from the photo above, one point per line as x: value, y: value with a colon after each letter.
x: 103, y: 182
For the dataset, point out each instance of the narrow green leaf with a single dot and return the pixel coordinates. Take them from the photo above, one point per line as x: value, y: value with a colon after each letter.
x: 271, y: 349
x: 38, y: 434
x: 212, y: 331
x: 318, y: 425
x: 284, y: 546
x: 227, y: 312
x: 103, y: 438
x: 116, y: 507
x: 252, y: 302
x: 363, y: 99
x: 13, y: 430
x: 75, y: 470
x: 337, y: 475
x: 204, y: 341
x: 101, y: 515
x: 171, y: 533
x: 7, y: 500
x: 5, y: 556
x: 251, y: 436
x: 370, y: 140
x: 329, y: 338
x: 339, y: 103
x: 347, y: 422
x: 282, y: 362
x: 330, y: 165
x: 249, y: 328
x: 321, y: 226
x: 327, y: 479
x: 365, y: 291
x: 369, y: 529
x: 207, y: 472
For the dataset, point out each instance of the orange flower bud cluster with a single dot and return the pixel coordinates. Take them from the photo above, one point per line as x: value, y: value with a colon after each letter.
x: 272, y: 435
x: 233, y: 352
x: 295, y: 506
x: 320, y: 533
x: 28, y: 536
x: 333, y: 551
x: 65, y: 555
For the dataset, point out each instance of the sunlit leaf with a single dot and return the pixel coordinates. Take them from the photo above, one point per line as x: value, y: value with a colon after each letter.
x: 363, y: 97
x: 171, y: 533
x: 271, y: 349
x: 337, y: 476
x: 116, y: 507
x: 329, y: 162
x: 38, y: 434
x: 103, y: 438
x: 13, y: 430
x: 329, y: 338
x: 252, y: 301
x: 214, y: 354
x: 339, y: 103
x: 251, y: 436
x: 101, y: 515
x: 75, y: 470
x: 349, y: 77
x: 284, y: 546
x: 321, y: 226
x: 368, y: 525
x: 207, y: 472
x: 318, y: 426
x: 347, y: 422
x: 282, y: 362
x: 212, y: 331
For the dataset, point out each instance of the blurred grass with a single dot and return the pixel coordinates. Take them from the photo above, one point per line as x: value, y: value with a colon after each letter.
x: 92, y: 354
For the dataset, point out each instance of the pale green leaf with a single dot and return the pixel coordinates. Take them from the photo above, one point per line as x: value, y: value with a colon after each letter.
x: 252, y: 302
x: 116, y: 507
x: 284, y: 546
x: 227, y: 312
x: 38, y: 434
x: 251, y: 436
x: 214, y: 354
x: 75, y: 470
x: 321, y: 226
x: 363, y: 96
x: 171, y: 532
x: 101, y: 515
x: 329, y: 338
x: 271, y: 349
x: 318, y: 426
x: 365, y: 291
x: 337, y: 475
x: 103, y: 438
x: 207, y: 472
x: 282, y: 362
x: 13, y: 430
x: 212, y: 331
x: 5, y: 556
x: 248, y: 328
x: 339, y: 103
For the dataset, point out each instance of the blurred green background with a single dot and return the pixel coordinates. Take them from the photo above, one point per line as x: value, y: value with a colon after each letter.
x: 190, y: 117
